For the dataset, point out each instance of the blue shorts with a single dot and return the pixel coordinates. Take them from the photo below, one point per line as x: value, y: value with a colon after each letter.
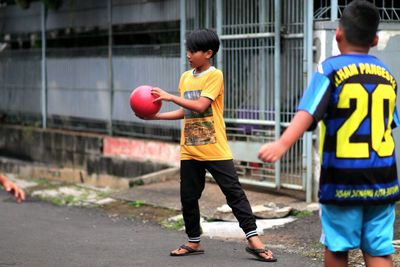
x: 369, y: 228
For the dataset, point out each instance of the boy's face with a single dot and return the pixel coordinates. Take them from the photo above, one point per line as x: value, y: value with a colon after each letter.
x: 198, y: 59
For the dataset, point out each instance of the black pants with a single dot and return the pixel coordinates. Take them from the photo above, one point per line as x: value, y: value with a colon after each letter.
x: 192, y: 185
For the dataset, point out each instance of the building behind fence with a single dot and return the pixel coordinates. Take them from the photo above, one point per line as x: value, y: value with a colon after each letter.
x: 96, y: 52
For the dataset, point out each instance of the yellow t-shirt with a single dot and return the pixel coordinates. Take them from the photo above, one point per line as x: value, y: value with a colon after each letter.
x: 204, y: 134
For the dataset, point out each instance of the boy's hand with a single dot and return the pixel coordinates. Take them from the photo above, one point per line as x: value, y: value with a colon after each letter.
x: 161, y: 94
x: 154, y: 117
x: 15, y: 190
x: 271, y: 152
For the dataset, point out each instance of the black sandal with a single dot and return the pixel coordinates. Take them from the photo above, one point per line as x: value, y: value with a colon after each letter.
x: 256, y: 252
x: 189, y: 251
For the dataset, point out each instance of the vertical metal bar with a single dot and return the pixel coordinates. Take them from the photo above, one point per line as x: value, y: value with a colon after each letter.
x: 195, y: 8
x: 334, y: 10
x: 305, y: 83
x: 219, y: 32
x: 262, y: 88
x: 182, y: 35
x: 44, y: 67
x: 207, y: 22
x: 308, y: 43
x: 236, y: 67
x: 277, y: 84
x: 110, y: 66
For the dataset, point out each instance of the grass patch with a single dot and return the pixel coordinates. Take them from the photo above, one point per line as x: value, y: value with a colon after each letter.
x: 173, y: 225
x: 136, y: 203
x: 60, y: 200
x: 301, y: 213
x: 69, y: 199
x: 53, y: 200
x: 42, y: 182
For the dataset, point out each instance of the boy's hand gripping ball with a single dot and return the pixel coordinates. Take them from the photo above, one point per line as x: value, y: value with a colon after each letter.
x: 141, y: 101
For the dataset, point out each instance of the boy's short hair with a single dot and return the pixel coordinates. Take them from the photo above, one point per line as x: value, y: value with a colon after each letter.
x: 203, y: 40
x: 360, y: 21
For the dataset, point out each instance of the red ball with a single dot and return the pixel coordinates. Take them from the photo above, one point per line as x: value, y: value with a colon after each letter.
x: 141, y: 101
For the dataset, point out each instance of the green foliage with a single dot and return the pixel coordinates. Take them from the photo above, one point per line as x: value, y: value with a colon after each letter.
x: 42, y: 181
x: 301, y: 213
x: 136, y: 203
x: 173, y: 225
x: 69, y: 199
x: 54, y: 200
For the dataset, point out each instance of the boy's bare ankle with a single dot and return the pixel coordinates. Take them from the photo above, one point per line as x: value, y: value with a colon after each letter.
x: 255, y: 242
x: 193, y: 245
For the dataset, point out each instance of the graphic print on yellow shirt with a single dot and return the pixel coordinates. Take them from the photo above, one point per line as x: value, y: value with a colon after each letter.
x: 198, y: 131
x: 203, y: 136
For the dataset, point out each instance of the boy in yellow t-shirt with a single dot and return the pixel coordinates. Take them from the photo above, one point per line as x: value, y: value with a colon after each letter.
x: 204, y: 145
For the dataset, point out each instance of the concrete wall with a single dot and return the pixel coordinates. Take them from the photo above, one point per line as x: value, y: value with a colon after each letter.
x: 52, y: 147
x: 63, y: 149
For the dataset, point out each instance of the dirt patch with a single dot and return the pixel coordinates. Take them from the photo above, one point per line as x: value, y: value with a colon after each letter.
x: 301, y: 236
x: 139, y: 211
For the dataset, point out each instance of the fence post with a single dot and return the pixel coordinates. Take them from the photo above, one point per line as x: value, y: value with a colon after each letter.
x: 219, y: 32
x: 110, y: 67
x: 308, y: 56
x: 44, y: 67
x: 182, y: 35
x: 263, y: 64
x: 277, y: 84
x: 207, y: 19
x: 334, y: 10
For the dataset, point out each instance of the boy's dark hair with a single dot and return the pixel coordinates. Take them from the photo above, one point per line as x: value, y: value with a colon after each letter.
x: 360, y: 21
x: 203, y: 40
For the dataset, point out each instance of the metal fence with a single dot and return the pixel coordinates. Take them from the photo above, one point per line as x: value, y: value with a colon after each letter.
x: 389, y: 10
x: 261, y: 94
x: 78, y: 88
x: 20, y: 83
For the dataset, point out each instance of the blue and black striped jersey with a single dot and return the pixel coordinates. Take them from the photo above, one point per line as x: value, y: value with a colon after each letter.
x: 355, y: 98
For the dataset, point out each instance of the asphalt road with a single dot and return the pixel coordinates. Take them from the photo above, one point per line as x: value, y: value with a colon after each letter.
x: 36, y: 233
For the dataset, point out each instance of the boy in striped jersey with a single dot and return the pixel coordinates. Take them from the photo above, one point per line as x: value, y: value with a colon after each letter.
x: 354, y: 95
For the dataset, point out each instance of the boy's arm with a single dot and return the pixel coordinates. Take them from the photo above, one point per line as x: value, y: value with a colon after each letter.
x: 12, y: 188
x: 271, y: 152
x: 172, y: 115
x: 199, y: 105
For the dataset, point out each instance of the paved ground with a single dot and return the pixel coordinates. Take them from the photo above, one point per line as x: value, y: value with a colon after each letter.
x: 37, y: 233
x: 40, y: 234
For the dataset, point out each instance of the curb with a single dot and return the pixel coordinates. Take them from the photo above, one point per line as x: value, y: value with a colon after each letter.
x: 27, y: 169
x: 155, y: 177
